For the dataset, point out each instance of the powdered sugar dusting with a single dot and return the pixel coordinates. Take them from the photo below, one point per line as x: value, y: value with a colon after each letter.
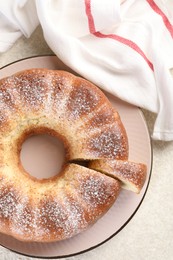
x: 95, y: 192
x: 32, y: 89
x: 22, y: 222
x: 8, y: 200
x: 60, y: 90
x: 104, y: 116
x: 62, y: 218
x: 82, y: 101
x: 51, y: 218
x: 129, y: 172
x: 7, y: 100
x: 2, y: 118
x: 109, y: 144
x: 21, y: 93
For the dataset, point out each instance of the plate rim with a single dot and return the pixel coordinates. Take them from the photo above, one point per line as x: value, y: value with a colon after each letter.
x: 130, y: 217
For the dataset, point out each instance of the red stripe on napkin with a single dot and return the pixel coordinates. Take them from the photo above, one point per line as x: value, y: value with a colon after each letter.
x: 115, y: 37
x: 91, y: 24
x: 168, y: 25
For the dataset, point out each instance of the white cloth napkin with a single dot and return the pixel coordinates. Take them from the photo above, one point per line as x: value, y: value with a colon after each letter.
x: 17, y: 18
x: 125, y: 47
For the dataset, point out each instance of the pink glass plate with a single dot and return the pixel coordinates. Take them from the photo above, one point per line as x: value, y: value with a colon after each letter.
x: 126, y: 205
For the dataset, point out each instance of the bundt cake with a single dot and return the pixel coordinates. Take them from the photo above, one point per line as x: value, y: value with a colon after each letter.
x: 58, y: 103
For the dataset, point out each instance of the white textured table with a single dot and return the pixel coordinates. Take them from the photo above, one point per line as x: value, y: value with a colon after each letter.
x: 149, y: 235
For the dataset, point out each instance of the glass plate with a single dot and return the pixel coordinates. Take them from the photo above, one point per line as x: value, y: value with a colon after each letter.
x: 127, y: 203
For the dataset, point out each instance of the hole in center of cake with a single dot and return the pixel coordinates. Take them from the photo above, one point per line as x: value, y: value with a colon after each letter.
x: 42, y: 156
